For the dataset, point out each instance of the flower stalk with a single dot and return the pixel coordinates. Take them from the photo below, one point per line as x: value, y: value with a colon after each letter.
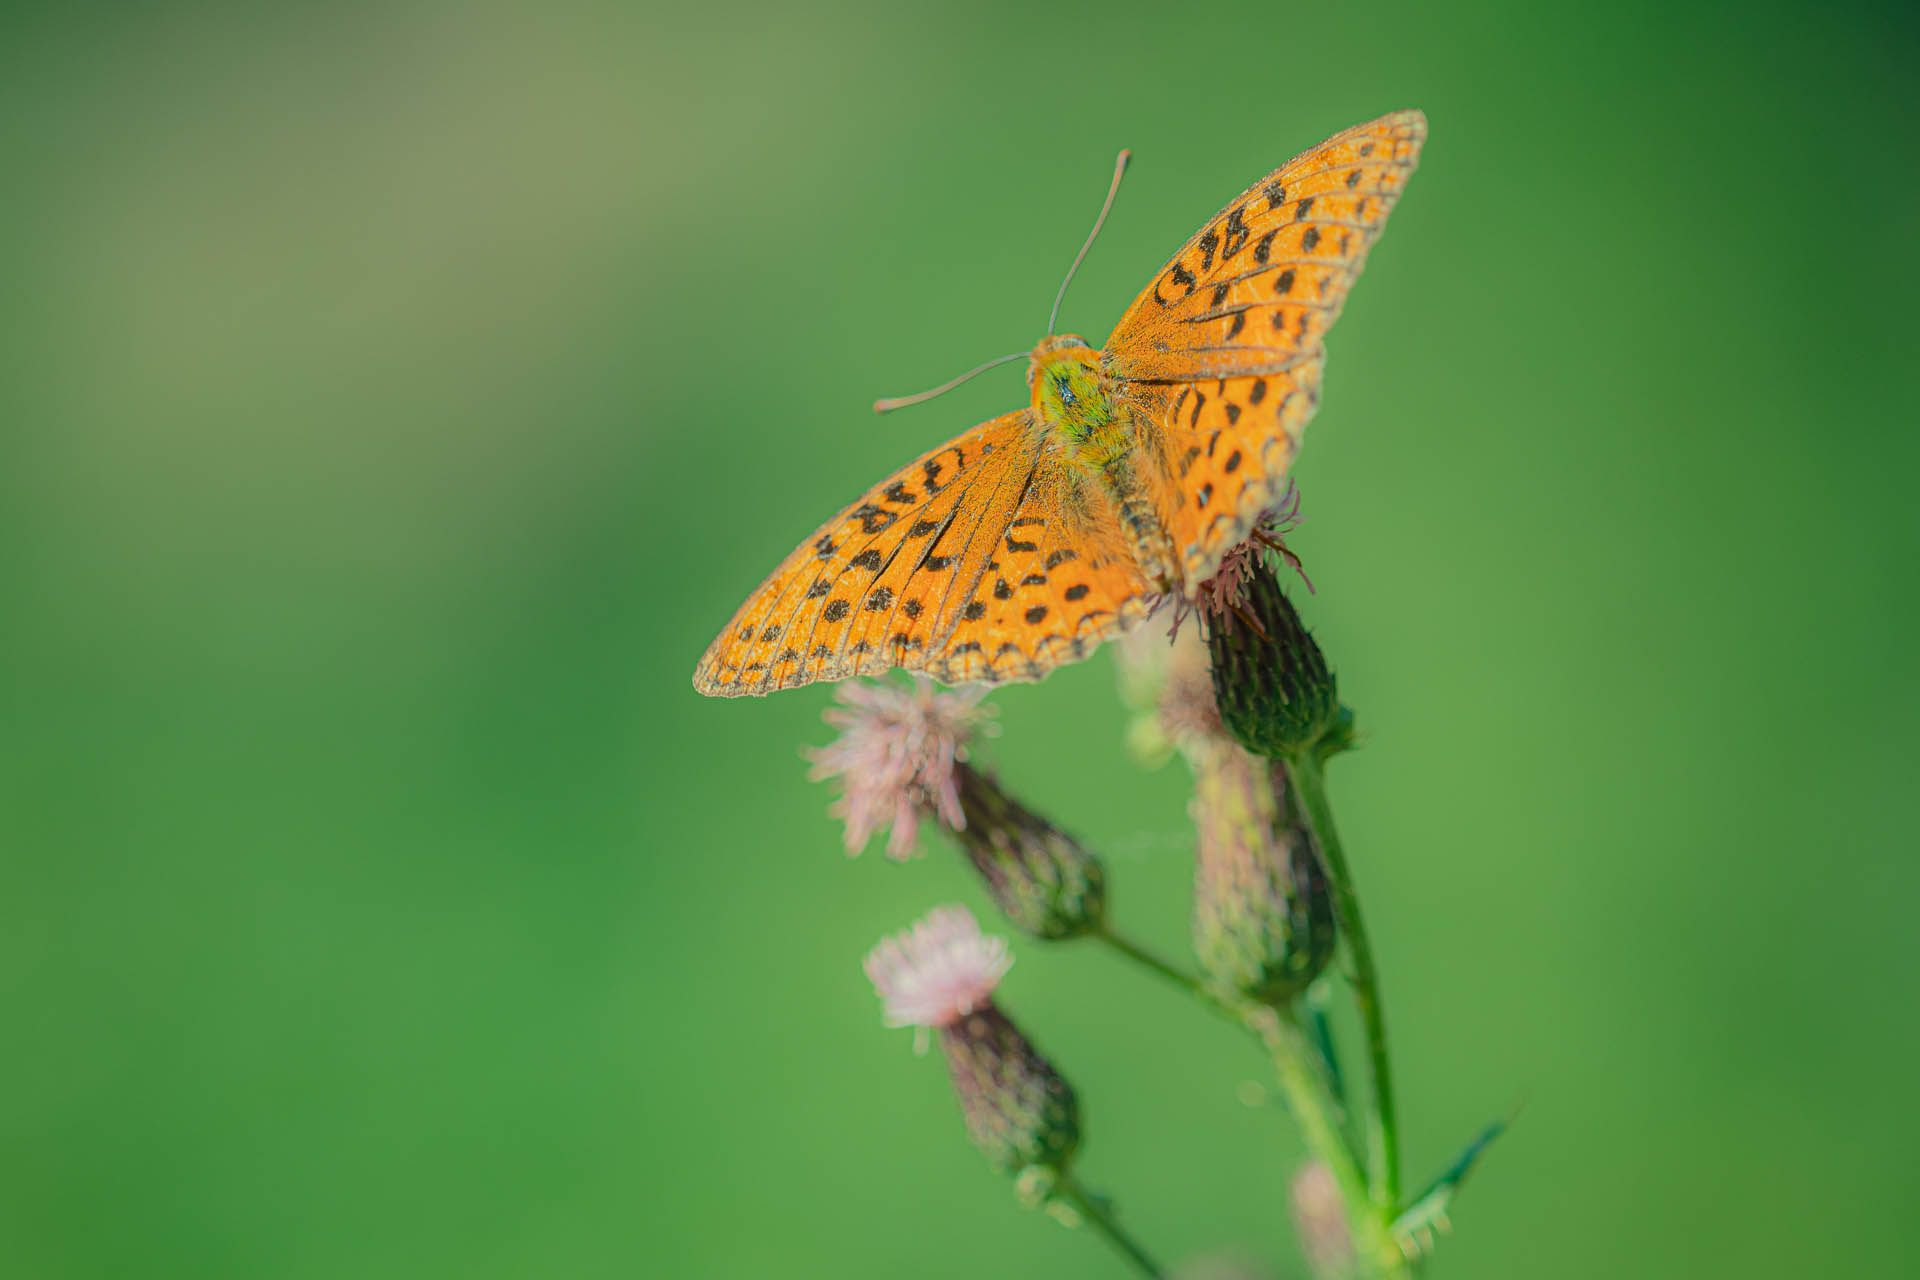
x: 1082, y: 1206
x: 1306, y: 773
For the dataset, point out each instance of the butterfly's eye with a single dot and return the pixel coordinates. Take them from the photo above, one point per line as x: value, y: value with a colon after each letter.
x: 1063, y: 386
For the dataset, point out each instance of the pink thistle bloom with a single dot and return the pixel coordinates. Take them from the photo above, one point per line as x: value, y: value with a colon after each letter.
x: 939, y: 971
x: 898, y: 757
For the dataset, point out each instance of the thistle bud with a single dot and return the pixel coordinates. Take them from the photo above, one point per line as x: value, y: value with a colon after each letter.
x: 1045, y: 882
x: 1276, y: 695
x: 1263, y: 920
x: 940, y: 976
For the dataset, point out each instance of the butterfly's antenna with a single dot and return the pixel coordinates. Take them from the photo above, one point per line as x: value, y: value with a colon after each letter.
x: 901, y: 402
x: 1119, y: 170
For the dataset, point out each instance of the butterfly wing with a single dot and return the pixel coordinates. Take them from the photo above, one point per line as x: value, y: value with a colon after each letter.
x: 1220, y: 358
x: 981, y: 560
x: 1257, y: 289
x: 1219, y: 455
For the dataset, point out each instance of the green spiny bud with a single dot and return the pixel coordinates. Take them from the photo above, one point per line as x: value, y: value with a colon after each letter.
x: 1276, y: 695
x: 1045, y: 882
x: 1263, y: 919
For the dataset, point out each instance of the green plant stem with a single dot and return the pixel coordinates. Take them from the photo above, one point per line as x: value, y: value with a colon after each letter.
x: 1318, y: 1115
x: 1147, y: 960
x: 1100, y: 1217
x: 1307, y: 776
x: 1310, y: 1100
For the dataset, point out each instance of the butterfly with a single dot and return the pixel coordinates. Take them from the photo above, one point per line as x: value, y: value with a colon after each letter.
x: 1025, y: 542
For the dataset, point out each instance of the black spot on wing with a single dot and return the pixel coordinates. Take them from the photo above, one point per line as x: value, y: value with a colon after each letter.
x: 873, y: 519
x: 1237, y: 234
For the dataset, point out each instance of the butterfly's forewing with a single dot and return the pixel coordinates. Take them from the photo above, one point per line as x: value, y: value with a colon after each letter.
x: 1054, y: 579
x: 916, y: 575
x: 1257, y: 289
x: 1220, y: 358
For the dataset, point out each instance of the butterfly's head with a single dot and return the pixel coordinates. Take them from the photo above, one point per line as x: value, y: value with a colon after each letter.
x: 1058, y: 347
x: 1070, y: 396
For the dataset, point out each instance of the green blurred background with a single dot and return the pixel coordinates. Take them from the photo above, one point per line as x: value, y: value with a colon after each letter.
x: 398, y: 398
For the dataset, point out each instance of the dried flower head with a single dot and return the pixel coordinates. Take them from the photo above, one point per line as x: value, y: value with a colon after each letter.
x: 896, y: 757
x: 939, y: 971
x: 1226, y: 591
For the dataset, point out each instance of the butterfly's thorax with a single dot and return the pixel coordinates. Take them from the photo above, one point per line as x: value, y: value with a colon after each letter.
x: 1078, y: 405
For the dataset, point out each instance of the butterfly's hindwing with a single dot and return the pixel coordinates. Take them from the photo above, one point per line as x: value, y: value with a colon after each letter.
x: 1226, y: 444
x: 981, y: 561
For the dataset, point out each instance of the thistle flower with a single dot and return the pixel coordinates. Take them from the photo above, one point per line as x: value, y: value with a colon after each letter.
x: 1275, y: 693
x: 940, y: 976
x: 902, y: 756
x: 1041, y: 877
x: 897, y: 758
x: 1263, y: 919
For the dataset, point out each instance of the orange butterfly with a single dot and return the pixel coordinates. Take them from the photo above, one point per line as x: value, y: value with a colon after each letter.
x: 1031, y: 538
